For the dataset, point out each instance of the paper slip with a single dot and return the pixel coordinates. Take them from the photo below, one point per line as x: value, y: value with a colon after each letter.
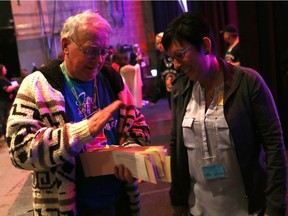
x: 148, y: 163
x: 137, y: 165
x: 14, y: 83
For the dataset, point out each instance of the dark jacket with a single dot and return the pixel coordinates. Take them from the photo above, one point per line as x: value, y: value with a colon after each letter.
x: 254, y: 124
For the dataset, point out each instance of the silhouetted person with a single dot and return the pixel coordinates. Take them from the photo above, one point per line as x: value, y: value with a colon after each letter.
x: 165, y: 74
x: 231, y: 38
x: 8, y: 90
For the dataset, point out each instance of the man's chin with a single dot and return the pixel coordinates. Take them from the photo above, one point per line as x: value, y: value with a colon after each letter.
x: 92, y: 72
x: 88, y: 76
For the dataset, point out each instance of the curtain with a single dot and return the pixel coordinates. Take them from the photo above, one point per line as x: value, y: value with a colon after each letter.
x: 263, y: 35
x: 264, y: 47
x: 164, y: 12
x: 218, y: 13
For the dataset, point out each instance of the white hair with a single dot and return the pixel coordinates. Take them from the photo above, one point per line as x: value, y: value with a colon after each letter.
x: 160, y: 35
x: 89, y: 18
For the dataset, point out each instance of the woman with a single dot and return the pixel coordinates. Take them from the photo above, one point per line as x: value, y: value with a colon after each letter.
x: 223, y: 118
x: 7, y: 95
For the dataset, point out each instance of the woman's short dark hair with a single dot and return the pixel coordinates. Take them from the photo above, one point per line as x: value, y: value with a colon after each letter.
x: 189, y: 27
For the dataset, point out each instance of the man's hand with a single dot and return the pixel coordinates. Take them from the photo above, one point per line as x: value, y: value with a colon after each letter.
x: 97, y: 122
x: 123, y: 173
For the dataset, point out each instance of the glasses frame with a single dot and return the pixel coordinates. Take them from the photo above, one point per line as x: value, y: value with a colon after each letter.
x: 179, y: 55
x: 90, y: 56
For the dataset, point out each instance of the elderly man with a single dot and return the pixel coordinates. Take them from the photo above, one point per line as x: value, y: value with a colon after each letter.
x: 64, y: 108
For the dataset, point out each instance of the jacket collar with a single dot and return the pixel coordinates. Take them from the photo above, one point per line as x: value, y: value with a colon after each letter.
x: 232, y: 77
x: 183, y: 84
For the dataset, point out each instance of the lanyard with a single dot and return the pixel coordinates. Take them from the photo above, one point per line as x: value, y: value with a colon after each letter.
x: 73, y: 90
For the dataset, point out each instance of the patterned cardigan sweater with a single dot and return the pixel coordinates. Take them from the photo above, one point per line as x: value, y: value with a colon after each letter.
x: 40, y: 138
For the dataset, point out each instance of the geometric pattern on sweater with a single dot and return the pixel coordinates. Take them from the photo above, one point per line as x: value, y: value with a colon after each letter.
x: 40, y: 139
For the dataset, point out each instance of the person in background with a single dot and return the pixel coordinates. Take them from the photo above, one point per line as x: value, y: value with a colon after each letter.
x: 136, y: 55
x: 227, y: 148
x: 108, y: 59
x: 8, y: 90
x: 231, y: 38
x: 66, y: 108
x: 119, y: 60
x: 23, y: 74
x: 35, y: 68
x: 166, y: 74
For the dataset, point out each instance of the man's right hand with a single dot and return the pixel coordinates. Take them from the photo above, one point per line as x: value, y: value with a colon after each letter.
x: 97, y: 122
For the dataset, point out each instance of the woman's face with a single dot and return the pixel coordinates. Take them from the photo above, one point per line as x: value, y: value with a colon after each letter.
x: 189, y: 60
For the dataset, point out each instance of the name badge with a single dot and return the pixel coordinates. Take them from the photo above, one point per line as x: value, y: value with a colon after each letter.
x: 214, y: 171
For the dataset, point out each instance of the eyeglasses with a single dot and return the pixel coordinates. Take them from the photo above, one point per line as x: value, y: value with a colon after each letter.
x: 179, y: 55
x: 91, y: 52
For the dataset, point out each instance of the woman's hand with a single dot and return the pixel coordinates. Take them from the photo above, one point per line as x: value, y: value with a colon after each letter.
x: 123, y: 174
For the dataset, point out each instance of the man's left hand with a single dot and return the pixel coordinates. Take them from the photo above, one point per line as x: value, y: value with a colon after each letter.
x: 123, y: 173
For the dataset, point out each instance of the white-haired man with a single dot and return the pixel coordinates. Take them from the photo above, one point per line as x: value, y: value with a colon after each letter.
x: 65, y: 106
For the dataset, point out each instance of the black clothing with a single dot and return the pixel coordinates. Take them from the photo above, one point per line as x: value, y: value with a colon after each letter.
x: 165, y: 76
x: 234, y: 54
x: 133, y: 58
x: 258, y: 117
x: 6, y: 100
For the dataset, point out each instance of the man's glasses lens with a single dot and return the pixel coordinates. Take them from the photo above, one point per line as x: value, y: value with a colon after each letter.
x: 92, y: 52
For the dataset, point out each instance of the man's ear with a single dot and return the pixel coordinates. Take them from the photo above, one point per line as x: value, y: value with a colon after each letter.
x: 65, y: 42
x: 207, y: 45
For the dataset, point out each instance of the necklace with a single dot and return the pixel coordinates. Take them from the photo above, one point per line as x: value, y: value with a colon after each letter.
x: 210, y: 95
x: 94, y: 105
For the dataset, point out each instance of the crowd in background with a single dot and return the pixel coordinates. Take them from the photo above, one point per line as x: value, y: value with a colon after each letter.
x: 218, y: 167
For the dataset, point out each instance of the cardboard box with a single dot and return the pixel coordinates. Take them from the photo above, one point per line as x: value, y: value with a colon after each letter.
x: 149, y: 163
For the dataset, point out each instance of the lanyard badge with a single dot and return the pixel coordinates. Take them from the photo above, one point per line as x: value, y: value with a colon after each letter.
x: 212, y: 168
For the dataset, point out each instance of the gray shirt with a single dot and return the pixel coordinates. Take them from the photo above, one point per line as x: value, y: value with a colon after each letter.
x: 208, y: 141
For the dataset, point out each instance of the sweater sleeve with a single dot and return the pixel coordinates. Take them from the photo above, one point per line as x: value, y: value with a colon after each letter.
x: 38, y: 136
x: 133, y: 126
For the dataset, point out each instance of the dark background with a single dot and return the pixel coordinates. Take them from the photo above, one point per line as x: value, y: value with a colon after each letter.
x: 8, y: 44
x: 263, y: 30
